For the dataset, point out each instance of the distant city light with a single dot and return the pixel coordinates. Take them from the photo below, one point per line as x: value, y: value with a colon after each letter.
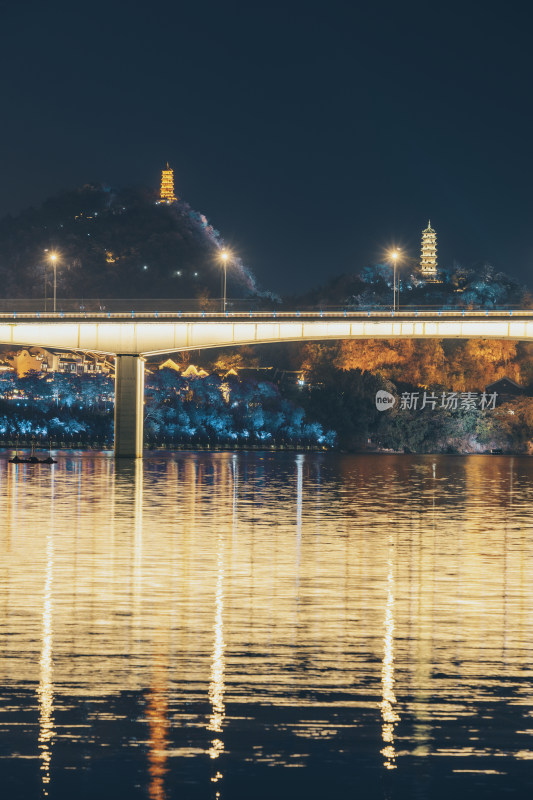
x: 145, y: 267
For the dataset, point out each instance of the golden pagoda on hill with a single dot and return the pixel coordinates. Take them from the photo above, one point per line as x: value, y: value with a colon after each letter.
x: 428, y: 260
x: 167, y: 186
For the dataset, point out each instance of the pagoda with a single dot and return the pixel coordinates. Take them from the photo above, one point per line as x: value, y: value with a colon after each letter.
x: 428, y: 260
x: 167, y: 186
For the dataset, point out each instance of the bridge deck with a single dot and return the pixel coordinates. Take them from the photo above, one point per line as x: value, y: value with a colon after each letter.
x: 236, y: 316
x: 147, y: 333
x: 132, y: 336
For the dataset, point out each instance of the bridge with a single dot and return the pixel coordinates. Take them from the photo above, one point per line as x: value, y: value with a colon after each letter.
x: 134, y: 336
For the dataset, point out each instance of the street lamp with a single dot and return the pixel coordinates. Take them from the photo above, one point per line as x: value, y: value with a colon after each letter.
x: 53, y: 259
x: 394, y: 254
x: 224, y: 257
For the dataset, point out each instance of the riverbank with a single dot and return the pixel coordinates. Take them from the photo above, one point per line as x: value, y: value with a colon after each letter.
x: 24, y: 445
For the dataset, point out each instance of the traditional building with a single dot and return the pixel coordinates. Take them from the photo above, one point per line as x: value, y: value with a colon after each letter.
x: 505, y: 388
x: 167, y: 186
x: 37, y: 359
x: 34, y: 359
x: 428, y: 261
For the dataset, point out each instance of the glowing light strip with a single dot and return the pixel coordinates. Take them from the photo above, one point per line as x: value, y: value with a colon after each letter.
x: 388, y: 712
x: 216, y: 685
x: 45, y: 691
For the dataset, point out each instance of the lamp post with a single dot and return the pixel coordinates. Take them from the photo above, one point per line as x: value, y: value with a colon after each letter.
x: 224, y: 256
x: 53, y: 259
x: 394, y: 256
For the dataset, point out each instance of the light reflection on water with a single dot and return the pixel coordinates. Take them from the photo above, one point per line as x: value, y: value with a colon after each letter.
x: 46, y: 690
x: 388, y: 704
x: 231, y: 625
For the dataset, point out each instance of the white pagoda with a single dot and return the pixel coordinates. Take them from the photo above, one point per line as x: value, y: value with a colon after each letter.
x: 428, y: 260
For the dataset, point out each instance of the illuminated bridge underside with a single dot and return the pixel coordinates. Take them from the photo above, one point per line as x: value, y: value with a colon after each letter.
x: 142, y: 338
x: 133, y: 340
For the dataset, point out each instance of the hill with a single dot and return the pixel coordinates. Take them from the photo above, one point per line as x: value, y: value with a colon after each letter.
x: 115, y: 244
x: 371, y: 288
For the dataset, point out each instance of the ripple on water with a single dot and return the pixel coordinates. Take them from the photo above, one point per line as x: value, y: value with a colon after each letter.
x: 220, y: 625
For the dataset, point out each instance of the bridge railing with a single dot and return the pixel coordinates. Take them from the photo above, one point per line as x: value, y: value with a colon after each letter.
x: 121, y: 316
x: 116, y: 305
x: 214, y: 305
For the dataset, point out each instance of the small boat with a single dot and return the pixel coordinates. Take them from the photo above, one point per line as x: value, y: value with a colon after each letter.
x: 33, y: 458
x: 16, y: 459
x: 49, y: 460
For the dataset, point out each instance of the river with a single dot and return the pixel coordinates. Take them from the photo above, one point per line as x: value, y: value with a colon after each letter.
x: 264, y: 625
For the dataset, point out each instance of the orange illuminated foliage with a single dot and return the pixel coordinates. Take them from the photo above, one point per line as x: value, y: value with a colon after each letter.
x: 454, y: 365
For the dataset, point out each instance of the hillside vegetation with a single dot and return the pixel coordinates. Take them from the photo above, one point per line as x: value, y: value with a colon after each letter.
x: 115, y: 244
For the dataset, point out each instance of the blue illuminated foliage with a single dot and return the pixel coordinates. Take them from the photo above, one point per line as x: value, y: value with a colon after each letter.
x: 177, y: 409
x: 225, y: 410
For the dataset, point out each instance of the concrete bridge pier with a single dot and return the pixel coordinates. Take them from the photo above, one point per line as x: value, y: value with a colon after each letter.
x: 129, y: 406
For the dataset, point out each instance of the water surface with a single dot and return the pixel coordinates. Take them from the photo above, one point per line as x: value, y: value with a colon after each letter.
x: 266, y: 625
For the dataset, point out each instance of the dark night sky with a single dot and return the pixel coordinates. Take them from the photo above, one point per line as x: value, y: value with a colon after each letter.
x: 311, y: 134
